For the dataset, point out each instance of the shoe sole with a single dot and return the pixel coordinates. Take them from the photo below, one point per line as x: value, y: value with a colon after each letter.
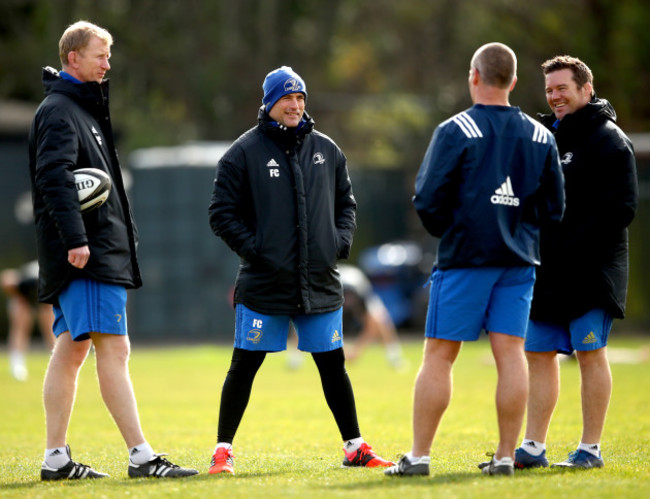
x: 576, y: 467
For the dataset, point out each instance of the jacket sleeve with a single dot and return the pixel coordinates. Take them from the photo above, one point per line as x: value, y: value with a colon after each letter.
x: 345, y: 208
x: 225, y: 212
x: 435, y: 185
x: 623, y: 193
x: 56, y: 155
x: 552, y: 197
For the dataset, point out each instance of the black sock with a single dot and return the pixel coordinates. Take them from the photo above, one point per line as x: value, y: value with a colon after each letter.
x: 237, y: 391
x: 338, y: 391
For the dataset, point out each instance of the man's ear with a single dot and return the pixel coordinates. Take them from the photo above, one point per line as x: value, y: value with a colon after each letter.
x: 73, y: 59
x: 514, y: 82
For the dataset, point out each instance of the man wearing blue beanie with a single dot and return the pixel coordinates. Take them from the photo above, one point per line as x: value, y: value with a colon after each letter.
x: 281, y: 82
x: 283, y: 201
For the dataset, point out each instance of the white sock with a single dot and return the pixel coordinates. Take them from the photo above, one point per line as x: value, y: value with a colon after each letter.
x: 394, y: 353
x: 17, y: 365
x: 16, y: 358
x: 417, y: 460
x: 504, y: 460
x: 141, y: 454
x: 56, y: 458
x: 225, y: 445
x: 593, y: 449
x: 533, y: 447
x: 353, y: 445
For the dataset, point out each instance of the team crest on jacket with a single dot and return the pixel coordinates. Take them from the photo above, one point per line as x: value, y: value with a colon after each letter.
x: 567, y: 158
x: 319, y: 159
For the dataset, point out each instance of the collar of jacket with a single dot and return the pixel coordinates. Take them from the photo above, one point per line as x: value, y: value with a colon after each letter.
x: 90, y: 95
x: 284, y: 135
x: 594, y: 113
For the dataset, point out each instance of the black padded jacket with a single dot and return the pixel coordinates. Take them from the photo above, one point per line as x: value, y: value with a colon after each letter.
x: 585, y: 256
x: 71, y: 130
x: 283, y: 201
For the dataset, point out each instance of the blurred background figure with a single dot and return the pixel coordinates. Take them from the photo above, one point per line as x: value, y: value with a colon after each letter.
x: 20, y: 288
x: 365, y: 316
x: 364, y: 312
x: 398, y: 272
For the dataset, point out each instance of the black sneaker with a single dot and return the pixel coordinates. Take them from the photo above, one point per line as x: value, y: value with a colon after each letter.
x: 506, y: 466
x: 71, y: 471
x: 405, y: 467
x: 159, y: 468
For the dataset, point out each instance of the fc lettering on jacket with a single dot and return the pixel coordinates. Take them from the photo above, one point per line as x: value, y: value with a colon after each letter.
x: 273, y: 165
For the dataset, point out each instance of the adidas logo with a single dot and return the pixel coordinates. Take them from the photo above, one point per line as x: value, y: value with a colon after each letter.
x: 531, y: 444
x: 590, y: 338
x: 336, y: 336
x: 55, y: 452
x: 505, y: 195
x: 272, y: 163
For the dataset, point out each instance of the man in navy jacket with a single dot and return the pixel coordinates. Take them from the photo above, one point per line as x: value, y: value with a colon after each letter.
x: 283, y: 202
x: 582, y: 282
x: 87, y: 261
x: 491, y: 173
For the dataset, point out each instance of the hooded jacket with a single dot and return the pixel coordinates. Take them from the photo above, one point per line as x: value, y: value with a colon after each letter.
x: 283, y: 201
x: 585, y: 256
x: 72, y: 130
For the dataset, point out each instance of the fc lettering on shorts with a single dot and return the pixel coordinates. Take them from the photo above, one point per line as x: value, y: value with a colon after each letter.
x: 257, y: 323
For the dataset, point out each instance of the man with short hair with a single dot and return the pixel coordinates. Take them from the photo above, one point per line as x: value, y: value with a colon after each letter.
x: 282, y: 201
x: 582, y: 282
x: 86, y: 261
x: 488, y: 177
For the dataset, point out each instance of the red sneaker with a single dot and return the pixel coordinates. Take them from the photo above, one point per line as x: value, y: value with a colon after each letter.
x: 222, y: 462
x: 364, y: 456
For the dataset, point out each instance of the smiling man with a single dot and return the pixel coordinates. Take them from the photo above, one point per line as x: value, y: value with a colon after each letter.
x: 582, y: 282
x: 283, y: 202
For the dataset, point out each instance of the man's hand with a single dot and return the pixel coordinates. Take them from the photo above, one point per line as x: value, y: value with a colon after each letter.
x: 78, y: 257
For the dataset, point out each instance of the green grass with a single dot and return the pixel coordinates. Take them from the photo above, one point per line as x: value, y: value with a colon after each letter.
x: 288, y: 444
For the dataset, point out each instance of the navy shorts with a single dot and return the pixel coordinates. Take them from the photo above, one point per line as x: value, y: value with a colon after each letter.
x: 268, y: 333
x: 464, y: 301
x: 586, y: 333
x: 89, y: 306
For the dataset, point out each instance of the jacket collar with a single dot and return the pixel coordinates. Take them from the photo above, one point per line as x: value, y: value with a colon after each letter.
x: 89, y: 95
x: 594, y: 113
x: 284, y: 135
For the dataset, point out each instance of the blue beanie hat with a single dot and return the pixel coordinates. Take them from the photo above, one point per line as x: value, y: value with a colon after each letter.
x: 279, y: 83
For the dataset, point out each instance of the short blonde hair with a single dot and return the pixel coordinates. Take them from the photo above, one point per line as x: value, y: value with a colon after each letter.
x: 77, y: 36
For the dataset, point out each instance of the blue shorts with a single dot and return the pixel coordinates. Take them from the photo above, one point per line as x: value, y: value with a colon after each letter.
x: 586, y: 333
x: 268, y: 333
x: 87, y: 306
x: 464, y: 301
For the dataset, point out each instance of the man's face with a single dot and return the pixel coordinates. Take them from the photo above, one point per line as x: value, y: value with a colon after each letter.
x: 91, y: 62
x: 288, y: 110
x: 563, y: 95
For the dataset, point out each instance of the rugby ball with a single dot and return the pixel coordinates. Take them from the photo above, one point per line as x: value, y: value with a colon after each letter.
x: 93, y: 187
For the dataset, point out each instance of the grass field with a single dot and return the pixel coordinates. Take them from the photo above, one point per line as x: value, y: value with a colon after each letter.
x: 288, y: 444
